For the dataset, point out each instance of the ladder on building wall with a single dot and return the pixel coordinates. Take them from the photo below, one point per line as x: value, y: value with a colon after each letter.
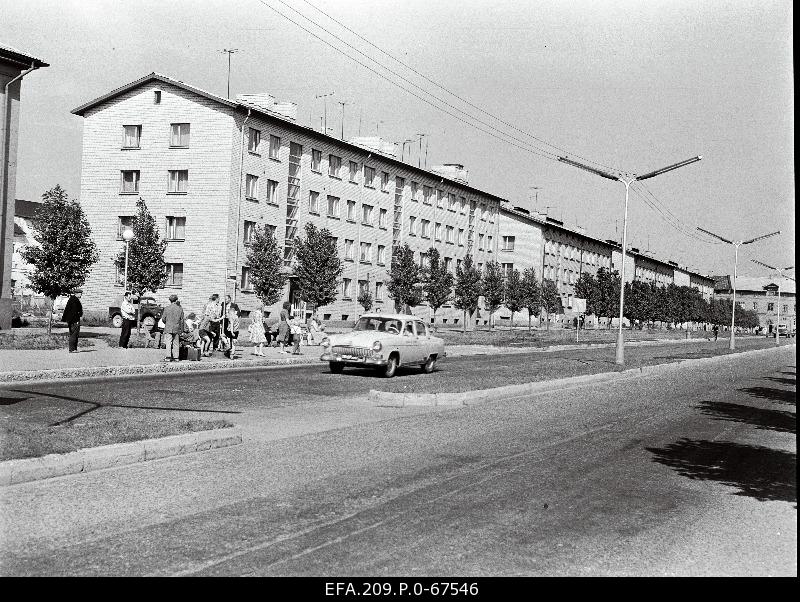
x: 471, y: 230
x: 292, y: 203
x: 397, y: 227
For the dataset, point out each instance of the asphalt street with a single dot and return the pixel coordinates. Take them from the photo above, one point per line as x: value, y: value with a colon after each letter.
x: 689, y: 471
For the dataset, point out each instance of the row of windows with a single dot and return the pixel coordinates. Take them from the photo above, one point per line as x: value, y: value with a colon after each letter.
x: 178, y: 136
x: 174, y: 226
x: 333, y: 209
x: 174, y: 275
x: 347, y: 286
x: 574, y: 253
x: 771, y: 307
x: 177, y: 181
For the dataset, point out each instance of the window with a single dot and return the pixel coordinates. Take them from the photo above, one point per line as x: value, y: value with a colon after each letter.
x: 385, y: 181
x: 448, y: 263
x: 333, y: 206
x: 178, y: 180
x: 129, y: 182
x: 437, y: 231
x: 313, y: 202
x: 334, y: 165
x: 412, y: 225
x: 449, y: 234
x: 347, y: 286
x: 272, y: 192
x: 379, y: 291
x: 365, y: 253
x: 458, y: 264
x: 251, y: 187
x: 492, y: 212
x: 785, y: 308
x: 176, y: 228
x: 415, y: 191
x: 248, y: 232
x: 253, y: 140
x: 348, y: 249
x: 363, y: 287
x: 353, y: 171
x: 351, y: 211
x: 427, y: 191
x: 440, y: 199
x: 382, y: 218
x: 424, y: 260
x: 366, y: 215
x: 507, y: 268
x: 508, y: 243
x: 461, y: 237
x: 246, y: 285
x: 123, y: 223
x: 274, y: 146
x: 480, y: 242
x: 426, y: 229
x: 381, y: 255
x: 489, y: 245
x: 316, y: 160
x: 156, y: 97
x: 369, y: 177
x: 131, y: 135
x: 179, y: 135
x: 483, y: 212
x: 463, y: 202
x: 452, y: 204
x: 174, y: 275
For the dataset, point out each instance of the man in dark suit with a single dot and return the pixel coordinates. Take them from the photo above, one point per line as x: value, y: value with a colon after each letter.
x: 174, y: 325
x: 72, y: 316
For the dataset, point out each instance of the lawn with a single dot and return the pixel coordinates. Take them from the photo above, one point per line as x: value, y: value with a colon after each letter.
x: 38, y: 341
x: 519, y: 337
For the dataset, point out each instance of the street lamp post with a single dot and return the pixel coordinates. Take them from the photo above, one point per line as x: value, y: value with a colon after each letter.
x: 127, y: 236
x: 736, y: 245
x: 780, y: 272
x: 620, y: 359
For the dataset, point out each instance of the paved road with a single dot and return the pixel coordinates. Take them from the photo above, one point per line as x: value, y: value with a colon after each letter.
x: 688, y: 472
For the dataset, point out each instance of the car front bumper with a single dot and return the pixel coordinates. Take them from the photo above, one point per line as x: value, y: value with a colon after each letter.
x: 350, y: 360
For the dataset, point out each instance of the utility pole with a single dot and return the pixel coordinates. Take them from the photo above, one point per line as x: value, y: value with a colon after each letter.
x: 229, y: 52
x: 343, y: 104
x: 325, y: 101
x: 419, y: 155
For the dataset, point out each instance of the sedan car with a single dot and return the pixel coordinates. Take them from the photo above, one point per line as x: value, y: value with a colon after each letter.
x: 384, y: 342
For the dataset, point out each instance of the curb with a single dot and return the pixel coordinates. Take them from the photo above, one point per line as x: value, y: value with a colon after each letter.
x: 25, y: 470
x: 399, y: 400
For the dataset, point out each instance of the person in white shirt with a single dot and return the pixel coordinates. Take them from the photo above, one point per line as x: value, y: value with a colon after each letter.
x: 128, y: 312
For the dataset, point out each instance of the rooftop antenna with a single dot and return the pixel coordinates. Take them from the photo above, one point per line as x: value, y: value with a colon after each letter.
x: 325, y: 97
x: 419, y: 155
x: 343, y: 104
x: 229, y: 52
x: 536, y: 190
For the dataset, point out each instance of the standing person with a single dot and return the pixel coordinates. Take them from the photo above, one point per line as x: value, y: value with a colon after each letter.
x: 224, y: 315
x: 257, y: 333
x: 232, y: 331
x: 213, y: 311
x: 72, y: 316
x: 296, y: 333
x: 128, y: 312
x: 716, y: 331
x: 205, y: 335
x: 315, y: 329
x: 284, y: 330
x: 174, y: 323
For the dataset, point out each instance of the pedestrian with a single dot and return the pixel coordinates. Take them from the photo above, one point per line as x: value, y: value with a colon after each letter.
x: 315, y: 329
x: 257, y: 332
x: 72, y: 316
x: 716, y: 331
x: 174, y: 323
x: 205, y: 336
x: 296, y: 333
x: 284, y: 330
x: 213, y: 311
x: 128, y: 312
x: 224, y: 315
x: 232, y: 332
x: 191, y: 334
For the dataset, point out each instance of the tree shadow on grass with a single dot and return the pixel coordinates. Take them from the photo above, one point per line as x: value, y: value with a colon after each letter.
x: 774, y: 420
x: 758, y: 472
x: 789, y: 382
x: 781, y: 395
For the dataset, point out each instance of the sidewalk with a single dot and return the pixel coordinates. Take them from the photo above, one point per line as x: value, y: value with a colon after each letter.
x: 100, y: 360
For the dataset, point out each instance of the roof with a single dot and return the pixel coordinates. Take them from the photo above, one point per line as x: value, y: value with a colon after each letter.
x: 19, y: 58
x: 26, y: 209
x: 81, y: 110
x: 554, y: 224
x: 754, y: 284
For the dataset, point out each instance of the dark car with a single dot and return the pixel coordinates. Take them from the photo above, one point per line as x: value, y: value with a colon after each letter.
x: 149, y: 312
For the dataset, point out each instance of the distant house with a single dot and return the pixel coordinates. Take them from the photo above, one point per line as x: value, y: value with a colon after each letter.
x: 761, y: 296
x: 24, y: 212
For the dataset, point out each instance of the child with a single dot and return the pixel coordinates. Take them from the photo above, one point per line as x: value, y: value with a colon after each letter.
x: 206, y: 336
x: 296, y: 333
x: 257, y: 334
x: 232, y: 332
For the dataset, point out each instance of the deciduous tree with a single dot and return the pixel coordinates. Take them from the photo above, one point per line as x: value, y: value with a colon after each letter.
x: 515, y: 299
x: 531, y: 293
x: 317, y: 267
x: 551, y: 301
x: 468, y: 288
x: 266, y: 266
x: 404, y: 278
x: 494, y: 288
x: 437, y: 282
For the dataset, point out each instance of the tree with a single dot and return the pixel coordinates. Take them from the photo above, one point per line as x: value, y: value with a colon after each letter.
x: 318, y: 267
x: 266, y: 266
x: 587, y: 288
x: 515, y: 300
x: 637, y: 297
x: 403, y: 276
x: 147, y: 270
x: 64, y: 251
x: 365, y: 299
x: 468, y: 288
x: 531, y: 293
x: 551, y: 301
x: 494, y: 289
x: 437, y: 282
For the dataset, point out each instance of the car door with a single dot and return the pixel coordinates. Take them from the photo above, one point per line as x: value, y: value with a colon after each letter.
x: 424, y: 340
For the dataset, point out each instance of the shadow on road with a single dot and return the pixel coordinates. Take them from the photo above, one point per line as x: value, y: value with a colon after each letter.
x: 758, y: 472
x: 774, y: 420
x: 781, y: 395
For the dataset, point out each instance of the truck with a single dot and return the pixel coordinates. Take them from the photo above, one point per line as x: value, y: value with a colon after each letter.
x: 149, y: 311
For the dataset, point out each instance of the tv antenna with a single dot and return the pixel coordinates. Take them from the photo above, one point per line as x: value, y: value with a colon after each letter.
x: 229, y: 52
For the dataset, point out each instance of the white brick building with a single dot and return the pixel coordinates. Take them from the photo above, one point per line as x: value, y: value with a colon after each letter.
x: 211, y: 168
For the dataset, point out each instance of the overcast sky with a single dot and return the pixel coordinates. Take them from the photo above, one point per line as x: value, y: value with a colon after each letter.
x: 632, y: 85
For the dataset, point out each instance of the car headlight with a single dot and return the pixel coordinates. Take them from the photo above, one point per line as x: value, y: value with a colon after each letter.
x: 376, y: 346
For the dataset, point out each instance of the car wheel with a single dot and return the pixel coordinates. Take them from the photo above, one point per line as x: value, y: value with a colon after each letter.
x: 336, y: 367
x: 148, y: 322
x: 391, y: 367
x: 116, y: 320
x: 430, y: 365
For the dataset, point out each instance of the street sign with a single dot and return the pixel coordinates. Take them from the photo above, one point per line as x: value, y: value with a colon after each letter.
x: 579, y: 305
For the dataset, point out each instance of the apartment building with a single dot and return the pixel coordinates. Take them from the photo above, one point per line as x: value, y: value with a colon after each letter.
x: 212, y: 169
x: 760, y: 294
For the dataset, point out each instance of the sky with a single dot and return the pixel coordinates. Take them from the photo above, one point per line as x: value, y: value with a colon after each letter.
x: 630, y: 86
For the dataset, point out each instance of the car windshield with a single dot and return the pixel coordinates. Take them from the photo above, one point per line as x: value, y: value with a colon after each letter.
x: 390, y: 325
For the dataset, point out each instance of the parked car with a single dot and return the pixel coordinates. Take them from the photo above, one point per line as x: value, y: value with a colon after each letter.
x: 149, y: 312
x: 384, y: 342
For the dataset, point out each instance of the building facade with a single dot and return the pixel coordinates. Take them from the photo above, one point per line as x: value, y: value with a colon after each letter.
x: 14, y: 65
x: 212, y: 169
x: 24, y: 212
x: 761, y: 295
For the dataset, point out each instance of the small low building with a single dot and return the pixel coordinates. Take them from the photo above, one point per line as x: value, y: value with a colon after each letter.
x: 760, y: 294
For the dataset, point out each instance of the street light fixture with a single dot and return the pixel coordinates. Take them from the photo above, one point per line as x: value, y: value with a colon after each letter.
x: 620, y: 359
x: 780, y: 278
x: 127, y: 236
x: 736, y: 244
